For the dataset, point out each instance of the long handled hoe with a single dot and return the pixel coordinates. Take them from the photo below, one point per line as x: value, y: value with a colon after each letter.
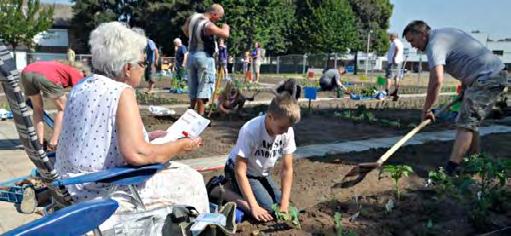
x: 359, y: 172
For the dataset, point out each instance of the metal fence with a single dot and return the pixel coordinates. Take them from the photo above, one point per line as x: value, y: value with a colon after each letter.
x: 287, y: 64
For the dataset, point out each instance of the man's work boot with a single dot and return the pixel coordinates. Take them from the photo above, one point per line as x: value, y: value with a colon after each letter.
x: 394, y: 95
x: 451, y: 168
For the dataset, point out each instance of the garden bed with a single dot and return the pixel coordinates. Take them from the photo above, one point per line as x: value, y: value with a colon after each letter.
x: 319, y: 126
x: 420, y: 211
x: 222, y: 135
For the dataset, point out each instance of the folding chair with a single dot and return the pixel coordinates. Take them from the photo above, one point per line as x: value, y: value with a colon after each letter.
x: 57, y: 211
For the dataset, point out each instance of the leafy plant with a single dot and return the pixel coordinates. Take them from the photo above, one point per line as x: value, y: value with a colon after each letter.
x: 396, y: 173
x: 488, y: 188
x: 176, y: 83
x: 390, y: 123
x: 339, y: 228
x: 21, y: 20
x: 308, y: 82
x: 369, y: 91
x: 441, y: 182
x: 5, y: 106
x: 289, y: 217
x: 481, y: 186
x: 151, y: 99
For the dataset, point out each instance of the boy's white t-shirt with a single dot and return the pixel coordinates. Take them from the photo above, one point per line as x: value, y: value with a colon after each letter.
x: 261, y: 151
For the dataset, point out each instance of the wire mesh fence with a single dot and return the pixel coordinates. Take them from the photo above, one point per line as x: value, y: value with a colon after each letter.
x: 286, y: 64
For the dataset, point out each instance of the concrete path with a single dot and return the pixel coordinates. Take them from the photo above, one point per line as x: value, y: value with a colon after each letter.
x: 217, y: 162
x: 14, y: 163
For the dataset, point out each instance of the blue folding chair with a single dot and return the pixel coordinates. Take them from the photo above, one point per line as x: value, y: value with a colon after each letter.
x: 61, y: 214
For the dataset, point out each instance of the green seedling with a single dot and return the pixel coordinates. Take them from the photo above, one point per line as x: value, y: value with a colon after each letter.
x: 395, y: 124
x: 429, y: 225
x: 309, y: 82
x: 441, y: 183
x: 339, y: 228
x: 396, y: 173
x: 368, y: 92
x: 290, y: 217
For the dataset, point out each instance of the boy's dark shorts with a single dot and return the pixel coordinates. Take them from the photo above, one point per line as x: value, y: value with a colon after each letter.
x: 230, y: 176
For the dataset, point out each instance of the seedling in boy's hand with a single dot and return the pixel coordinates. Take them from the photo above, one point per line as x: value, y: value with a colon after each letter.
x: 290, y: 217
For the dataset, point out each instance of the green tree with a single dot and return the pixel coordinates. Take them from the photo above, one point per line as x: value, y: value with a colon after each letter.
x: 162, y: 20
x: 20, y: 22
x: 268, y: 22
x: 88, y: 14
x: 324, y: 26
x: 372, y: 15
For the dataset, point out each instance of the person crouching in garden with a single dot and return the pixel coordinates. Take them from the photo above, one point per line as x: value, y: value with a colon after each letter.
x: 49, y: 78
x: 261, y: 142
x: 331, y: 79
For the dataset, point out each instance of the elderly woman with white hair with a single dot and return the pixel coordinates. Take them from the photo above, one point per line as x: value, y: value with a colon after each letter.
x: 103, y: 129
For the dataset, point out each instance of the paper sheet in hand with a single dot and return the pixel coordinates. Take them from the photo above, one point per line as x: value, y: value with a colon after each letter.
x: 190, y: 122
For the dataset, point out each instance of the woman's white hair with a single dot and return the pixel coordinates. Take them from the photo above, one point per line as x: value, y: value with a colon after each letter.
x: 113, y: 46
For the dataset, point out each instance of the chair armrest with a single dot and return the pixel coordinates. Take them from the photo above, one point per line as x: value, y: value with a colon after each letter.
x: 125, y: 175
x: 76, y: 219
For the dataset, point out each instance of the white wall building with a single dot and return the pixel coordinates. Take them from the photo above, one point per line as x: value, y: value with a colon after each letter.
x: 502, y: 48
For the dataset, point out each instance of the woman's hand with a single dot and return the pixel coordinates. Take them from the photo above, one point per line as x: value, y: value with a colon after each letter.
x: 191, y: 144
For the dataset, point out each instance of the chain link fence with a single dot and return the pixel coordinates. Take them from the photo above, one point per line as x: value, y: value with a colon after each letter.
x: 287, y: 64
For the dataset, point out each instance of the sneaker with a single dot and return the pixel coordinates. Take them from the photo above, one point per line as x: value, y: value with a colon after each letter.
x: 29, y: 202
x: 452, y: 168
x: 215, y: 181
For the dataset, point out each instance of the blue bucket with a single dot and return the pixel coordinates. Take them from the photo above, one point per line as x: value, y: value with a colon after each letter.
x: 240, y: 215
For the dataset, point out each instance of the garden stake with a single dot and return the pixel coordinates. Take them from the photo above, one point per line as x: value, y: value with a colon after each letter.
x: 359, y: 172
x: 216, y: 90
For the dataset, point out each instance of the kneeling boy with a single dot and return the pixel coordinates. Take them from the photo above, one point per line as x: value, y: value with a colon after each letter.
x: 261, y: 142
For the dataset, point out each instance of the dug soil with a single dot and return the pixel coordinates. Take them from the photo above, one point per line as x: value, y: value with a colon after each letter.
x: 317, y: 192
x: 319, y: 126
x: 312, y: 129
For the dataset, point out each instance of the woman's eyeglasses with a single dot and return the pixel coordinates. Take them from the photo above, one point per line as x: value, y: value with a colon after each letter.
x: 142, y: 64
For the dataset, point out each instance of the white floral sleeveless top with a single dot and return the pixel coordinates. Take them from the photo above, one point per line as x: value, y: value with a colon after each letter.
x: 88, y: 141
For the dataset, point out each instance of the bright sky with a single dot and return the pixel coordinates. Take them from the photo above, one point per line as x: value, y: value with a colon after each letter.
x: 57, y: 1
x: 488, y: 16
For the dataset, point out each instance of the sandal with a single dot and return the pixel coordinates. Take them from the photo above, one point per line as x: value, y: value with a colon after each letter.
x: 29, y: 202
x: 52, y: 147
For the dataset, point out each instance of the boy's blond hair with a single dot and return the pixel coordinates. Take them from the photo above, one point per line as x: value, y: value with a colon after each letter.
x: 283, y: 105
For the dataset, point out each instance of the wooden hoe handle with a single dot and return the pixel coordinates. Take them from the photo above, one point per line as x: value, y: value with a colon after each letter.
x: 410, y: 134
